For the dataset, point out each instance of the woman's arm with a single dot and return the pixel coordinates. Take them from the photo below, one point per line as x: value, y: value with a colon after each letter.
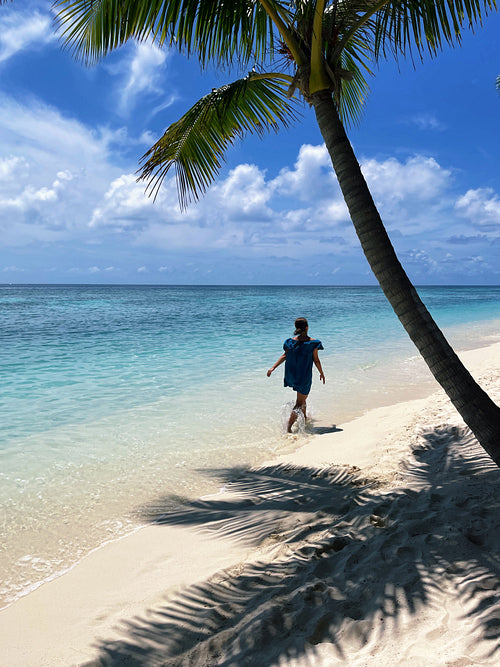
x: 280, y: 361
x: 317, y: 363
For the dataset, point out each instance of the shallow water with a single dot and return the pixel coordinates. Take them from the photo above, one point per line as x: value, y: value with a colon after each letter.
x: 115, y: 395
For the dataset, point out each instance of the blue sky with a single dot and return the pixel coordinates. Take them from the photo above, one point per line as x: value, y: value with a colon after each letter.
x: 71, y: 137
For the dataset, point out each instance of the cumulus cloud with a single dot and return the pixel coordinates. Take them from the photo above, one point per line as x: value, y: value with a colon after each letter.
x: 299, y: 212
x: 481, y: 207
x: 20, y: 31
x: 311, y: 176
x: 420, y: 263
x: 61, y: 182
x: 414, y: 196
x: 411, y: 195
x: 52, y: 170
x: 12, y: 167
x: 419, y: 177
x: 124, y: 205
x: 244, y: 194
x: 238, y: 213
x: 67, y: 183
x: 31, y: 197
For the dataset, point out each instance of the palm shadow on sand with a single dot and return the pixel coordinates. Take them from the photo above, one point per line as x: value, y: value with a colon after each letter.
x: 344, y: 557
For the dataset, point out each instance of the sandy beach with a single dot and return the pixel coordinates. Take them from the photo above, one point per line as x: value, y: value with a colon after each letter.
x: 376, y: 543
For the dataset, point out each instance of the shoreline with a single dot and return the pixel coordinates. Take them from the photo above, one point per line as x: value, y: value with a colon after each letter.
x: 100, y: 598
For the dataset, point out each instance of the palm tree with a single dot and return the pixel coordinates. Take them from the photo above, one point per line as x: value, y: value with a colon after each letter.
x: 323, y: 50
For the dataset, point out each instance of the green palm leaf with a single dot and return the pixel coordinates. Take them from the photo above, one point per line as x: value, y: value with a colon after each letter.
x: 354, y: 89
x: 195, y: 145
x: 216, y: 30
x: 426, y: 25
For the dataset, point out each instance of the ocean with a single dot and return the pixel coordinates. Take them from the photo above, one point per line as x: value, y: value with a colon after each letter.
x: 115, y: 396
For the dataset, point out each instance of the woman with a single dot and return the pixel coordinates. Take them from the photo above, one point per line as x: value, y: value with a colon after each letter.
x: 300, y: 352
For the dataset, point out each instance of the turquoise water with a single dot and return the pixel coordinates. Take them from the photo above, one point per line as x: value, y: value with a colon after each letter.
x: 114, y: 395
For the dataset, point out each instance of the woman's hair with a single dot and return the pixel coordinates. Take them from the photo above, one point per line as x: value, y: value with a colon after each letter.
x: 301, y: 325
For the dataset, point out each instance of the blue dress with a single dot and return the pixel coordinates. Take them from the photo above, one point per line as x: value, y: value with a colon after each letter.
x: 299, y: 362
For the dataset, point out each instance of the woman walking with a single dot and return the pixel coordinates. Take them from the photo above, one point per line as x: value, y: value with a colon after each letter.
x: 300, y: 352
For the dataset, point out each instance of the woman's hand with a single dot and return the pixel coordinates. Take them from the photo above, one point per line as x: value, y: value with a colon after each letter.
x: 280, y: 361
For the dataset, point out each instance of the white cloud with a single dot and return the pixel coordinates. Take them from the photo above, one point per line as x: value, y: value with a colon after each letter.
x: 31, y: 198
x: 311, y: 177
x: 12, y: 167
x: 244, y: 194
x: 481, y: 207
x: 336, y: 210
x: 126, y: 205
x: 52, y: 171
x: 421, y: 259
x: 68, y: 187
x: 247, y: 212
x: 60, y: 183
x: 414, y: 196
x: 227, y: 217
x: 147, y: 138
x: 165, y: 104
x: 420, y: 177
x: 21, y: 31
x: 244, y: 213
x: 427, y: 121
x: 34, y: 131
x: 142, y: 73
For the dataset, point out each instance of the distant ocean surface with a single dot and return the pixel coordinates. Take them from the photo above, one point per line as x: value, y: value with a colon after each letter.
x: 114, y: 396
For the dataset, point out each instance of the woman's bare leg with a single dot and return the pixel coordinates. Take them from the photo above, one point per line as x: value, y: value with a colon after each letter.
x: 300, y: 404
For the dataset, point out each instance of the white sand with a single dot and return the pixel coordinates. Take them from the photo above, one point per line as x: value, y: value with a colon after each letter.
x: 375, y: 545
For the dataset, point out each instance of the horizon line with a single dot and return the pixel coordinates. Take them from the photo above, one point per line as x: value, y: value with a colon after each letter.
x: 376, y: 285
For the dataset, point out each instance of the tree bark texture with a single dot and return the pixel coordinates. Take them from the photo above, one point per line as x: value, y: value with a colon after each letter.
x: 477, y: 409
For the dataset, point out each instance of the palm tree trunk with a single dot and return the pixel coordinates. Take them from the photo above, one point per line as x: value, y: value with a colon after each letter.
x: 474, y: 405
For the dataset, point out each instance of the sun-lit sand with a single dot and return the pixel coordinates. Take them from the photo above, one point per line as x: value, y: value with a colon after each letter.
x: 376, y: 543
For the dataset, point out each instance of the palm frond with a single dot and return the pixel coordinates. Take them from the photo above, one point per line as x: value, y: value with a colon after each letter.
x: 217, y: 30
x: 426, y: 25
x: 195, y: 145
x: 354, y: 89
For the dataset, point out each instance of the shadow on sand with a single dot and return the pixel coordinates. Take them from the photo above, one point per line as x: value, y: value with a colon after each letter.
x: 321, y: 430
x: 342, y: 559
